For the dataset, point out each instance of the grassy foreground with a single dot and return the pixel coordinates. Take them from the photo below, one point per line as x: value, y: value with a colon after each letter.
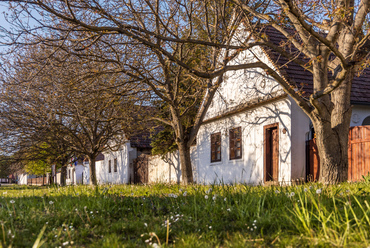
x: 193, y: 216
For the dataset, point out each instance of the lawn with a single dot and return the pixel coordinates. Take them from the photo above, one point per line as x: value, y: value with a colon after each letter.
x: 192, y: 216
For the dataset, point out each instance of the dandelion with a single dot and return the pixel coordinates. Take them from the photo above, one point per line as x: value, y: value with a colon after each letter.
x: 318, y: 191
x: 12, y: 201
x: 292, y: 194
x: 51, y: 202
x: 206, y: 197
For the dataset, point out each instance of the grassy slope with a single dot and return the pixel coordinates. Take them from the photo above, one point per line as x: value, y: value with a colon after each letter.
x: 232, y: 216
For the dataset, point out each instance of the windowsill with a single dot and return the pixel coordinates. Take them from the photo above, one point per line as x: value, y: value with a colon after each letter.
x: 236, y: 160
x: 216, y: 163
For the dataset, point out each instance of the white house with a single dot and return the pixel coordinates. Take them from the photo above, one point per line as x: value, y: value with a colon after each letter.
x: 254, y: 132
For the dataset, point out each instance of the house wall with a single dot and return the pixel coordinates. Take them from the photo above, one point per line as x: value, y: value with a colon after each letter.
x: 22, y: 179
x: 166, y: 169
x: 300, y: 133
x: 249, y: 169
x: 359, y: 113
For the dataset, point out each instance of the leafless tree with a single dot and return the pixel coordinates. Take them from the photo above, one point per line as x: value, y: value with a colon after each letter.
x: 333, y: 50
x: 64, y: 103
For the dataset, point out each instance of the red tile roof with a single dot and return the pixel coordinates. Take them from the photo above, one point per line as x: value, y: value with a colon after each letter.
x: 293, y: 72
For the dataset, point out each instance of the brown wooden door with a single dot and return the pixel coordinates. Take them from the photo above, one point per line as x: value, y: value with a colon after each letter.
x: 141, y: 169
x: 271, y: 148
x: 275, y: 154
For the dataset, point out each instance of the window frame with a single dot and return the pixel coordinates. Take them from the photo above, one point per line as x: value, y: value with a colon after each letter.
x: 109, y: 166
x: 233, y: 142
x: 115, y: 165
x: 214, y: 147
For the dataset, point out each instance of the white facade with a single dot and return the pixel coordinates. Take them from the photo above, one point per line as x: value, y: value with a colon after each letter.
x: 250, y: 99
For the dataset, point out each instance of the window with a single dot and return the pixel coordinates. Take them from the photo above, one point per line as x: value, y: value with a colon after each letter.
x: 366, y: 121
x: 235, y: 136
x: 115, y: 165
x: 215, y: 147
x: 109, y: 166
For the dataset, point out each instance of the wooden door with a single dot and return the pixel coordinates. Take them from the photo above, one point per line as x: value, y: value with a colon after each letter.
x: 271, y: 152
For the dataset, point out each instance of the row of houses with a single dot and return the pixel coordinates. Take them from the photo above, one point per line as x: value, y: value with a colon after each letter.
x: 252, y: 133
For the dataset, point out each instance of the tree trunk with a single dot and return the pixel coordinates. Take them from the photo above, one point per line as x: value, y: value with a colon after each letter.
x: 63, y: 175
x: 93, y: 180
x: 185, y: 163
x: 332, y: 136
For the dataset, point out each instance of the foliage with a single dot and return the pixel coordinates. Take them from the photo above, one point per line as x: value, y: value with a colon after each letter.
x: 199, y: 216
x: 164, y: 142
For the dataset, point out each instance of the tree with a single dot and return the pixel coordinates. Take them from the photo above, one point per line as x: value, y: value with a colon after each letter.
x: 334, y: 50
x: 65, y: 104
x: 178, y: 73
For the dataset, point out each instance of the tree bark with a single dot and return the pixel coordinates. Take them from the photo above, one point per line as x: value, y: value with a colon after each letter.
x: 185, y: 162
x: 332, y: 135
x: 63, y: 175
x: 93, y: 180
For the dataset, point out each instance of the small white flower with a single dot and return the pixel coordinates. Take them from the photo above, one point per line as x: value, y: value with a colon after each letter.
x: 210, y: 227
x: 185, y: 193
x: 341, y: 193
x: 254, y: 221
x: 228, y: 209
x: 214, y: 197
x: 155, y: 245
x: 318, y: 191
x: 51, y: 202
x: 12, y: 201
x: 305, y: 190
x: 65, y: 243
x: 147, y: 241
x: 206, y: 197
x: 277, y: 191
x: 47, y: 223
x: 292, y: 194
x: 55, y: 236
x: 225, y: 199
x: 146, y: 225
x: 310, y: 187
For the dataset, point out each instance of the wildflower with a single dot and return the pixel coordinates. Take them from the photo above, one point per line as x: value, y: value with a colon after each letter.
x: 228, y: 209
x: 292, y: 194
x: 210, y: 227
x: 318, y: 191
x: 155, y: 245
x: 214, y: 197
x: 225, y: 199
x: 305, y: 189
x: 206, y: 197
x: 65, y: 243
x: 185, y: 193
x: 277, y: 191
x: 51, y: 202
x: 147, y: 241
x: 12, y: 201
x: 310, y: 187
x: 47, y: 223
x: 146, y: 225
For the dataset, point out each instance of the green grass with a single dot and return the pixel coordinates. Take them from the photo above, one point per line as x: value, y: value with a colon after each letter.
x: 309, y: 215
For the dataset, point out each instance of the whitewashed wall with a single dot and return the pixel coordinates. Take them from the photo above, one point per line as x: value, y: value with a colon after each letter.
x: 299, y: 134
x: 22, y: 179
x: 249, y: 169
x: 359, y: 113
x: 166, y: 169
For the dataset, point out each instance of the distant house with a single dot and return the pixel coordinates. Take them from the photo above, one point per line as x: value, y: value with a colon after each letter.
x: 254, y: 132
